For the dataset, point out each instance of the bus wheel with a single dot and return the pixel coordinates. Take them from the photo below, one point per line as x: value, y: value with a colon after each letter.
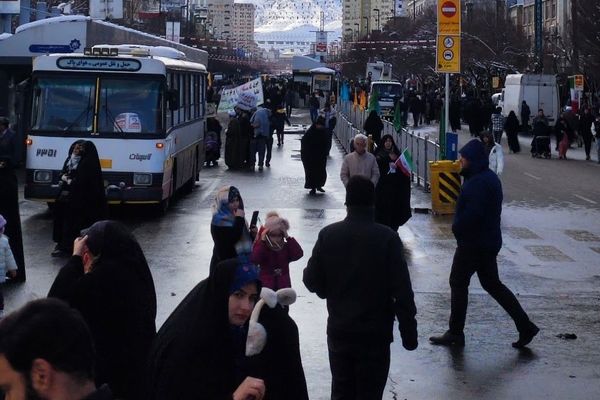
x: 189, y: 185
x: 163, y: 206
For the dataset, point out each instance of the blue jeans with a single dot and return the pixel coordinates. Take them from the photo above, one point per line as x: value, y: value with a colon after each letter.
x: 258, y: 144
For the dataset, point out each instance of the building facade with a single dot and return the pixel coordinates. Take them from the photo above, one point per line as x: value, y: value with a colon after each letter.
x: 220, y: 19
x: 243, y: 24
x: 361, y: 17
x: 556, y: 15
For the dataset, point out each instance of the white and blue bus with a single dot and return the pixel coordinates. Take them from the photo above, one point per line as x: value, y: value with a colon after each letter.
x: 143, y: 107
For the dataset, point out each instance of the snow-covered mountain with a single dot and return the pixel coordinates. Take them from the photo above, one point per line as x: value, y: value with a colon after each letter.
x: 291, y: 21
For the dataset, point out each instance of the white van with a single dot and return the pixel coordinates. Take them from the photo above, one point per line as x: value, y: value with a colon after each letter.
x: 539, y: 91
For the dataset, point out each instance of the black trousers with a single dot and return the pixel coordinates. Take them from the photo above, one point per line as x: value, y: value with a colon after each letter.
x: 467, y: 262
x: 359, y: 369
x: 587, y: 142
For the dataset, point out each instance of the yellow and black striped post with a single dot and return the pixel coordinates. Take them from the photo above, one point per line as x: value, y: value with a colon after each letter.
x: 445, y: 186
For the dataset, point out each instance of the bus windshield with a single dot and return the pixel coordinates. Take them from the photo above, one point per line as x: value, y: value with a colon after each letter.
x: 388, y: 90
x: 64, y: 104
x: 125, y: 106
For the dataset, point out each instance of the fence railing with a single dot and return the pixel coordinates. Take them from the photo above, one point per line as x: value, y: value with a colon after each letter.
x: 422, y: 147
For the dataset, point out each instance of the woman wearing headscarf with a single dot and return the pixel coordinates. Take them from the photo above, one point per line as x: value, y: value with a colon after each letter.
x: 392, y: 193
x: 563, y: 137
x: 199, y: 352
x: 313, y: 153
x: 228, y: 227
x: 511, y: 126
x: 81, y: 200
x: 9, y: 194
x: 373, y: 126
x: 494, y: 152
x: 234, y: 157
x: 108, y: 280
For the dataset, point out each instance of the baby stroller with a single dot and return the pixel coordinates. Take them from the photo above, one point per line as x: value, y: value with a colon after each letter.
x: 212, y: 147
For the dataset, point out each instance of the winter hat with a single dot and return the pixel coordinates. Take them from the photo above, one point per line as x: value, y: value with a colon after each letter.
x: 276, y: 223
x: 245, y: 273
x: 2, y: 224
x: 360, y: 192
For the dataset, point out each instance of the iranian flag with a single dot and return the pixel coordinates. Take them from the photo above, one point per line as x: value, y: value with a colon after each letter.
x: 404, y: 163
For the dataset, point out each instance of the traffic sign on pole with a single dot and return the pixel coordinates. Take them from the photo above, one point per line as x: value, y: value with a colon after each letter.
x: 448, y: 54
x: 448, y: 17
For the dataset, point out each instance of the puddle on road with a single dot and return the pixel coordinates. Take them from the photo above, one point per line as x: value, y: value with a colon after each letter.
x: 582, y: 236
x: 548, y: 253
x: 314, y: 213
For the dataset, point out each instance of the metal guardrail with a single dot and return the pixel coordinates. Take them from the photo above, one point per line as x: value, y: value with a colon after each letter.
x: 423, y: 148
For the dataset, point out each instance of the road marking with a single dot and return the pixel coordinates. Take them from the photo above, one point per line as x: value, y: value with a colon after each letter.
x: 533, y: 176
x: 585, y: 199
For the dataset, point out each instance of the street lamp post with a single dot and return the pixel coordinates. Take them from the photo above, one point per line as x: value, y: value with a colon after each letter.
x: 367, y: 18
x: 357, y: 31
x: 377, y: 11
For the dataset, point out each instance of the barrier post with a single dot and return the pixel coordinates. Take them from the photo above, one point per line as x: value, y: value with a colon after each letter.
x: 445, y: 186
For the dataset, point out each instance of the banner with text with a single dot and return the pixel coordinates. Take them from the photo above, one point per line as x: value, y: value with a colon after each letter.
x: 229, y: 97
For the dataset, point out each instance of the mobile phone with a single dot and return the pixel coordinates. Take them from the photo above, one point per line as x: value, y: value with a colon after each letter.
x: 254, y: 219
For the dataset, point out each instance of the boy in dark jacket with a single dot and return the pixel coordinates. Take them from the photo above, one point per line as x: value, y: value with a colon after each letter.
x: 476, y: 227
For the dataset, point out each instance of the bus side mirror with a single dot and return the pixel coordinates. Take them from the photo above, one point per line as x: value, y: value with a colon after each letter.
x: 173, y: 99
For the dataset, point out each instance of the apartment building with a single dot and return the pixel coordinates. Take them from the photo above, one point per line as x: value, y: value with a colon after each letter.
x: 220, y: 19
x: 361, y: 17
x: 555, y: 19
x: 243, y: 24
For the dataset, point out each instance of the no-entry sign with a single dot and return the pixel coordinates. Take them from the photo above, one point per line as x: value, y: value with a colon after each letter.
x: 448, y: 17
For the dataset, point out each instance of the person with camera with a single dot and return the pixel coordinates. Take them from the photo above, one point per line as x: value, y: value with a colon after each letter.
x: 273, y: 251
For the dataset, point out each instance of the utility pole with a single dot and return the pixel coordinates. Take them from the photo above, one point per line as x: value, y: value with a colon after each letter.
x: 539, y: 49
x: 575, y: 39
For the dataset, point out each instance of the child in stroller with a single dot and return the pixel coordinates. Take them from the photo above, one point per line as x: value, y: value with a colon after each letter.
x: 540, y: 144
x: 212, y: 141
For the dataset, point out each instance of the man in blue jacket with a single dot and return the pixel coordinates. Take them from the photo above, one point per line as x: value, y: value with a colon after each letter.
x: 479, y: 239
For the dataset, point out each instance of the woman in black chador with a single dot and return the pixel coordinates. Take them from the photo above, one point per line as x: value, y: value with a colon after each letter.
x: 199, y: 352
x: 373, y: 126
x: 108, y: 280
x: 314, y: 147
x: 392, y: 193
x: 81, y: 200
x: 9, y: 194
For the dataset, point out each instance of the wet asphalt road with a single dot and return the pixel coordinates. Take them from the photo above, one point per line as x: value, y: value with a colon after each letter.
x: 549, y: 259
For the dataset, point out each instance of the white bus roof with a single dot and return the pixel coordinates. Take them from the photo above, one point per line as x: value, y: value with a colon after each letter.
x: 147, y: 65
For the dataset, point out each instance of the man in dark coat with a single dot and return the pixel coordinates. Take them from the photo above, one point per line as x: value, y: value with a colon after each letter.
x: 586, y: 120
x: 313, y: 152
x: 9, y: 194
x: 359, y: 267
x: 108, y: 280
x: 47, y: 352
x: 476, y: 227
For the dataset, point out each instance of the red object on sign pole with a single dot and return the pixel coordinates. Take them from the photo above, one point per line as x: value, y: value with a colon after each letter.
x: 449, y: 9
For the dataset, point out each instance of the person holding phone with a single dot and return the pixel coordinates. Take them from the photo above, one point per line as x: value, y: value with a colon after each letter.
x: 231, y: 235
x: 273, y: 252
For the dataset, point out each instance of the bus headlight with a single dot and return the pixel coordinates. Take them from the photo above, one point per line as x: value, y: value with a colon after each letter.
x: 142, y: 179
x: 42, y: 176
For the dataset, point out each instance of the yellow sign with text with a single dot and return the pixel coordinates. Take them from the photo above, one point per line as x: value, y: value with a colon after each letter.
x: 448, y: 14
x: 448, y: 54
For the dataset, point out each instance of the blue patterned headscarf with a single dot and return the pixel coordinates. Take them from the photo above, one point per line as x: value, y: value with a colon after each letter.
x: 222, y: 215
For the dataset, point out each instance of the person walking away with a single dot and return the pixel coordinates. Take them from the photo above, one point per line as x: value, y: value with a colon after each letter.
x: 330, y: 114
x: 313, y: 104
x: 359, y: 162
x: 230, y: 234
x: 373, y: 126
x: 585, y: 131
x: 289, y: 101
x: 476, y: 228
x: 392, y: 193
x: 261, y: 122
x: 561, y: 130
x: 234, y: 156
x: 47, y: 352
x: 597, y: 135
x: 455, y: 114
x: 494, y: 151
x: 279, y: 119
x: 244, y: 107
x: 213, y: 141
x: 273, y: 252
x: 81, y: 200
x: 497, y: 124
x: 109, y: 282
x: 8, y: 265
x: 199, y: 352
x: 313, y: 153
x: 525, y: 114
x: 9, y: 194
x: 414, y: 105
x: 540, y: 144
x: 359, y: 256
x: 511, y: 126
x: 573, y: 125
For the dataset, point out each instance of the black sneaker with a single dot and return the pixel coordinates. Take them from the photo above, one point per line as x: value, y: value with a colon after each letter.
x: 312, y: 191
x: 448, y: 339
x: 526, y: 337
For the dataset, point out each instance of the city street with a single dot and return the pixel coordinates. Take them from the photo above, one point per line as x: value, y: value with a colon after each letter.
x: 551, y: 232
